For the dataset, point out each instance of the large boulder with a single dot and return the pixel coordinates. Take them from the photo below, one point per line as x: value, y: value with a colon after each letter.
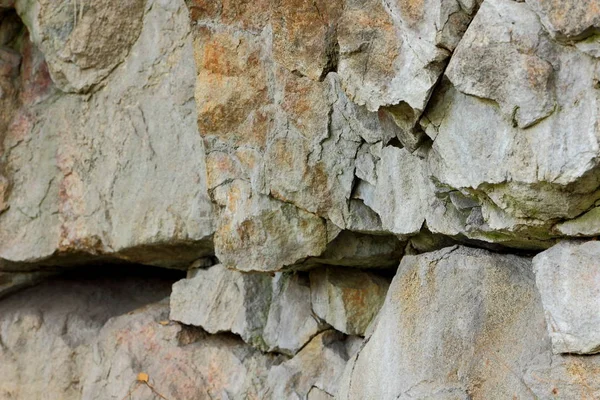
x: 456, y: 323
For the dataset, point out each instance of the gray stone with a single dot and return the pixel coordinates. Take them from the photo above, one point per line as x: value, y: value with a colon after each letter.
x: 361, y: 250
x: 59, y: 321
x: 291, y: 323
x: 96, y: 177
x: 567, y: 277
x: 319, y: 364
x: 497, y: 61
x: 402, y: 193
x: 83, y: 42
x: 587, y: 224
x: 568, y: 19
x: 394, y: 52
x: 348, y: 300
x: 456, y: 323
x: 270, y: 313
x: 525, y: 179
x: 221, y: 300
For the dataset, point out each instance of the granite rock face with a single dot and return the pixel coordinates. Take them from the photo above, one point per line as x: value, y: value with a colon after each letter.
x: 295, y: 157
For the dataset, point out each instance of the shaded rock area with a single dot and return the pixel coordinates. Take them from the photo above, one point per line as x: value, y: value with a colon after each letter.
x: 299, y: 199
x: 102, y: 332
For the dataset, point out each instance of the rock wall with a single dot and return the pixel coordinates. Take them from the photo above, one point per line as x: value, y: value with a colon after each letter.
x: 299, y: 199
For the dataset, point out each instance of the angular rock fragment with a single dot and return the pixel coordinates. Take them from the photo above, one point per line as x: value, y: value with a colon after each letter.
x: 319, y: 364
x: 568, y: 278
x: 587, y: 224
x: 220, y: 300
x: 394, y: 52
x: 528, y: 163
x: 256, y: 233
x: 272, y: 314
x: 347, y: 299
x: 402, y: 193
x: 498, y: 61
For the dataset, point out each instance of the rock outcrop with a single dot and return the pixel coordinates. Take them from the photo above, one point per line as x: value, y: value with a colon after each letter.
x: 371, y: 199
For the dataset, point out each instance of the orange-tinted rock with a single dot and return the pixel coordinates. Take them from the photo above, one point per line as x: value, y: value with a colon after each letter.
x: 393, y: 52
x: 568, y: 19
x: 231, y: 87
x: 305, y: 35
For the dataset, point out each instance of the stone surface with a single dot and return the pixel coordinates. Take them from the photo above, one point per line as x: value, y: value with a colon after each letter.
x: 402, y: 193
x: 456, y: 323
x: 97, y: 341
x: 348, y: 300
x: 83, y: 42
x: 290, y: 154
x: 394, y: 52
x: 102, y: 177
x: 281, y: 136
x: 521, y: 140
x: 587, y: 224
x: 318, y: 365
x: 58, y: 322
x: 571, y: 19
x: 272, y: 314
x: 567, y: 276
x: 221, y: 300
x: 353, y: 249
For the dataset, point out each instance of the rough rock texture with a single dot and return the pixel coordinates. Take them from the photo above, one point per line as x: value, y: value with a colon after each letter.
x: 568, y: 279
x: 516, y: 128
x: 347, y: 300
x: 462, y: 323
x: 96, y: 341
x: 118, y: 173
x: 279, y: 313
x: 290, y: 154
x: 273, y: 314
x: 82, y: 42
